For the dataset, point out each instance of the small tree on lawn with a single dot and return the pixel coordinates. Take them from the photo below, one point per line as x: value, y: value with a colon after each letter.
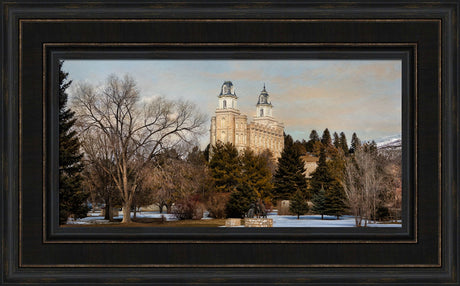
x: 319, y: 203
x: 335, y: 200
x: 298, y: 204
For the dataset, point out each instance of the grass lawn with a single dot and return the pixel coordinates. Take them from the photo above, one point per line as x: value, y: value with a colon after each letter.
x: 154, y: 222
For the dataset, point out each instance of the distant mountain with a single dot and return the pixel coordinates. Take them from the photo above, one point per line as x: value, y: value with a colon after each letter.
x: 389, y: 142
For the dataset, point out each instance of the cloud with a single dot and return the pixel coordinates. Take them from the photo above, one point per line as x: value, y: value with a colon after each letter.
x: 352, y: 96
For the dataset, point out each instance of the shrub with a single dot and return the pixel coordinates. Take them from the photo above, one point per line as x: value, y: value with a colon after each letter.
x: 188, y: 208
x: 216, y: 205
x: 382, y: 213
x: 240, y: 201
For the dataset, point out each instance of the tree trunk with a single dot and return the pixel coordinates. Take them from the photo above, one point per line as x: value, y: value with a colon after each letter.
x: 108, y: 207
x: 322, y: 216
x: 135, y: 212
x: 110, y: 210
x: 94, y: 205
x: 298, y: 216
x: 126, y: 213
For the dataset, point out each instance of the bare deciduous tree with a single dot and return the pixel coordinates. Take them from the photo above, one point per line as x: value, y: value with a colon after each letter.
x: 369, y: 179
x: 135, y: 131
x: 98, y: 160
x: 173, y: 180
x: 361, y: 183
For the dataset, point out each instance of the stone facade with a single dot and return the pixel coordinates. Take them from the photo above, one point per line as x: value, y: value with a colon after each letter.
x: 231, y: 222
x: 229, y: 125
x: 258, y: 222
x: 311, y: 162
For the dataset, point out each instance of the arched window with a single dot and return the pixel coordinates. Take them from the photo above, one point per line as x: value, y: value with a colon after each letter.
x: 224, y: 104
x: 261, y: 112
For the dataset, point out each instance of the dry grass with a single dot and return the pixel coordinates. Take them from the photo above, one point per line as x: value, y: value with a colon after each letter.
x: 152, y: 222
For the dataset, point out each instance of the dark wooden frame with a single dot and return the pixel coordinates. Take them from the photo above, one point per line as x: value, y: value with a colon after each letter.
x: 36, y: 35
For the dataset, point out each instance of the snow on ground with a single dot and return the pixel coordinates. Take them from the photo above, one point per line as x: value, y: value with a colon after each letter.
x: 315, y: 221
x: 149, y: 214
x: 97, y: 218
x: 278, y: 221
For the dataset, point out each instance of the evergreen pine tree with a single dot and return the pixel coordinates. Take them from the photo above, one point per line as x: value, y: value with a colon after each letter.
x: 298, y: 204
x: 343, y: 143
x: 321, y: 177
x: 314, y: 137
x: 335, y: 199
x: 326, y: 138
x: 72, y: 196
x: 319, y: 203
x: 371, y: 148
x: 355, y: 143
x: 289, y: 176
x: 336, y: 140
x: 255, y: 174
x: 225, y: 167
x: 240, y: 201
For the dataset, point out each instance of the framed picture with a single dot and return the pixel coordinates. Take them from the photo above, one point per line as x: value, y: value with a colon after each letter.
x: 229, y: 143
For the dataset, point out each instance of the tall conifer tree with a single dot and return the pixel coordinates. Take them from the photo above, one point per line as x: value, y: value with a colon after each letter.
x: 314, y: 136
x: 254, y: 184
x: 319, y: 203
x: 355, y: 143
x: 321, y: 177
x: 256, y: 174
x: 326, y: 138
x: 336, y: 140
x: 225, y: 167
x: 72, y: 197
x: 343, y: 143
x: 298, y: 204
x: 335, y: 199
x: 289, y: 176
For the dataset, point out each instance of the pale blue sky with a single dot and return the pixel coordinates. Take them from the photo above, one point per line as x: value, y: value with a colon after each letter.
x: 359, y: 96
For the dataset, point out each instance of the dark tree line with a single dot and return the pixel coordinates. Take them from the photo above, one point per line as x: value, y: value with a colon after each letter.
x: 323, y: 188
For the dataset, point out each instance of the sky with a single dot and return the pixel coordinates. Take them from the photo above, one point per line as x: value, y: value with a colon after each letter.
x: 362, y: 96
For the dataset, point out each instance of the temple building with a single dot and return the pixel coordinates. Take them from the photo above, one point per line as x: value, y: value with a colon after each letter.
x: 229, y: 125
